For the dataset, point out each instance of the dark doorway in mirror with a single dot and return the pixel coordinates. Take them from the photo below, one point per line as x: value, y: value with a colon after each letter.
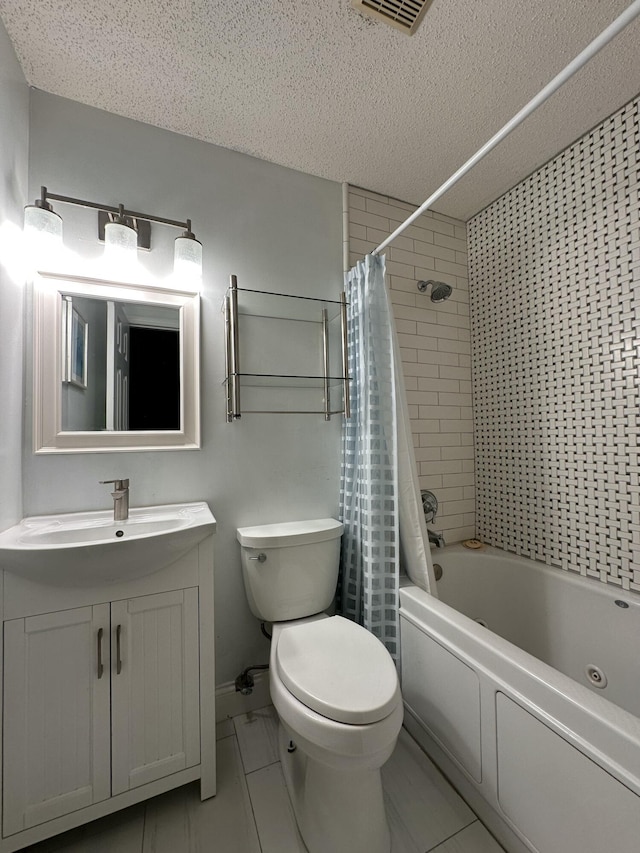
x: 154, y: 391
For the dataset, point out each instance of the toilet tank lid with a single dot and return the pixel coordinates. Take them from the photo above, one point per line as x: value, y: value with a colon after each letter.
x: 290, y: 533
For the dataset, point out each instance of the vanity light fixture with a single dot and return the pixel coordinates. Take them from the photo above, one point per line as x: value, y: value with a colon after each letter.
x: 42, y: 224
x: 123, y: 231
x: 118, y: 234
x: 120, y: 239
x: 187, y: 259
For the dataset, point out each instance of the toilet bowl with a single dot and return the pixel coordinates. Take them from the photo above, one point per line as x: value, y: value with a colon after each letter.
x: 332, y: 767
x: 333, y: 684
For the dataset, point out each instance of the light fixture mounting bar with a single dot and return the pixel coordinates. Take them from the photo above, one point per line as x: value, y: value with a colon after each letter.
x: 132, y: 214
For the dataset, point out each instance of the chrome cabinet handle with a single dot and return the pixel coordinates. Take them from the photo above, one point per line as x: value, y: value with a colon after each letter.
x: 261, y: 558
x: 100, y: 664
x: 118, y: 657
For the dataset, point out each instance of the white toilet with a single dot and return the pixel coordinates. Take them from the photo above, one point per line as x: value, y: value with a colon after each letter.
x: 333, y: 684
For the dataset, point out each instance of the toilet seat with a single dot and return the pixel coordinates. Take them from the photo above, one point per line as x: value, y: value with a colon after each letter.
x: 338, y: 669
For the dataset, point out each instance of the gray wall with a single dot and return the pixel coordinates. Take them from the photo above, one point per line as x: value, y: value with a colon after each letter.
x: 14, y: 141
x: 276, y: 229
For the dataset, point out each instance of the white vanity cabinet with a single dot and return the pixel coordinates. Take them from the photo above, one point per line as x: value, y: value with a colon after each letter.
x: 106, y: 702
x: 154, y: 687
x: 56, y: 716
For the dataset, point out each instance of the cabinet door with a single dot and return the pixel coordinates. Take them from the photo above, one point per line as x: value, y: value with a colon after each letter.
x: 155, y: 687
x: 56, y: 726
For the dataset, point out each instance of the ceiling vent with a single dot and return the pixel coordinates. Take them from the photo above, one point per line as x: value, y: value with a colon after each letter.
x: 405, y: 15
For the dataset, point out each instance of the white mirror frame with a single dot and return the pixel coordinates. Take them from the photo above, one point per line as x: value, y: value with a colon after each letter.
x: 48, y: 436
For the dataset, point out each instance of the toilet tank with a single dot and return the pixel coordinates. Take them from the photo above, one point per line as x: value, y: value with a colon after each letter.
x: 290, y: 570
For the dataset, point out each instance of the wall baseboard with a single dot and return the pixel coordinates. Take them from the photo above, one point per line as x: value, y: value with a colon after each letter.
x: 230, y: 702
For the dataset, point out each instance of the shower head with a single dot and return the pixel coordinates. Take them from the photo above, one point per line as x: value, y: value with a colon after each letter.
x: 439, y: 290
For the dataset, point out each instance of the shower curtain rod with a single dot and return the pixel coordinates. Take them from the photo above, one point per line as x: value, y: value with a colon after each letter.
x: 581, y: 59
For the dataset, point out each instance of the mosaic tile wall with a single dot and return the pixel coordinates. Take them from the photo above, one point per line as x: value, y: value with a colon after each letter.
x: 555, y: 305
x: 435, y: 345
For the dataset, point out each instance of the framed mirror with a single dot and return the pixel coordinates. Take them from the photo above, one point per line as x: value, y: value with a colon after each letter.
x: 116, y: 366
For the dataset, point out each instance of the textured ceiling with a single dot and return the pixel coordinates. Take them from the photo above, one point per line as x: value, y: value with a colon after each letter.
x: 319, y: 88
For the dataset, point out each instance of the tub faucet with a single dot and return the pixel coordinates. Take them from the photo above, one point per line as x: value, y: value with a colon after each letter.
x: 120, y: 495
x: 436, y: 539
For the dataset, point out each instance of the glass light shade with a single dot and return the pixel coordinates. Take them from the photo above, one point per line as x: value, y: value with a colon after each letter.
x: 42, y: 221
x: 120, y: 249
x: 187, y: 259
x: 43, y: 230
x: 119, y: 240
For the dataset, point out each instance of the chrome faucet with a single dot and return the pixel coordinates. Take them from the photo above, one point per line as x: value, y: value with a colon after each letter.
x: 436, y: 539
x: 120, y: 495
x: 430, y: 508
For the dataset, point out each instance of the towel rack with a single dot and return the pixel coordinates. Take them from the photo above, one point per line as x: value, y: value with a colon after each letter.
x: 284, y: 341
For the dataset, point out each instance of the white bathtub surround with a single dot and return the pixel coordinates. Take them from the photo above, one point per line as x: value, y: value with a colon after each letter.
x: 251, y: 812
x: 542, y: 754
x: 435, y: 345
x: 554, y: 276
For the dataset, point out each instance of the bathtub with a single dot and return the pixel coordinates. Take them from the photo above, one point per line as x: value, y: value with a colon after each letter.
x: 522, y: 682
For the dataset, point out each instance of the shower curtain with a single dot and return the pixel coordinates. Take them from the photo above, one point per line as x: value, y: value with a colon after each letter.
x: 379, y: 492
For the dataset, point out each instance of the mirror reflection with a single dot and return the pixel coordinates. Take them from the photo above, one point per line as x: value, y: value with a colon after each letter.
x: 121, y: 365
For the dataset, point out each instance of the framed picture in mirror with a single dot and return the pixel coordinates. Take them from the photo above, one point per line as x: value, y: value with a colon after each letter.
x: 76, y: 343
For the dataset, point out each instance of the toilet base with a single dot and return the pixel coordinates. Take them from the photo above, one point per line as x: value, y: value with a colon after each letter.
x: 336, y: 810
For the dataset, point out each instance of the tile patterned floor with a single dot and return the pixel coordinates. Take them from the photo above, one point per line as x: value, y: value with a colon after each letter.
x: 252, y: 814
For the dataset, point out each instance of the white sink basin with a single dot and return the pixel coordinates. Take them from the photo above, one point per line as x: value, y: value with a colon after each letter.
x: 82, y: 548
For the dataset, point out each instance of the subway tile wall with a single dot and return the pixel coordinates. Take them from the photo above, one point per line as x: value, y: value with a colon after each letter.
x: 435, y: 345
x: 555, y: 305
